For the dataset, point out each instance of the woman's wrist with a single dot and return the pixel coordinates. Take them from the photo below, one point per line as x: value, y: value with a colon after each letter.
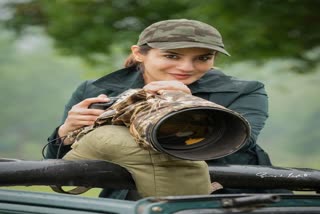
x: 63, y: 133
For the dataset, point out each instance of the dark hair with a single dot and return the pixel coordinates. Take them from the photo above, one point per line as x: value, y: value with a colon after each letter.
x: 131, y: 61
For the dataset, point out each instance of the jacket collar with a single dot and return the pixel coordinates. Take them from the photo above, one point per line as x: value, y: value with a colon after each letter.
x: 126, y: 78
x: 120, y: 80
x: 214, y: 81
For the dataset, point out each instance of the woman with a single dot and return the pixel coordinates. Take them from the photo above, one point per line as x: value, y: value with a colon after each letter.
x: 172, y: 55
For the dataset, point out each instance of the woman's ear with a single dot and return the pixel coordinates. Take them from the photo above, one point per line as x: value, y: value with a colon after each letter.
x: 135, y: 49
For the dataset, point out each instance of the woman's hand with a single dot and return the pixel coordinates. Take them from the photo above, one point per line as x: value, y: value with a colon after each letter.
x: 157, y: 86
x: 80, y: 115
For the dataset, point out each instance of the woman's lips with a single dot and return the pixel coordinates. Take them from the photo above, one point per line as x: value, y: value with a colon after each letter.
x: 181, y: 76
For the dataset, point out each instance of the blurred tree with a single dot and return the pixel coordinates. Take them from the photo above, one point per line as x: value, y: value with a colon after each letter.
x: 90, y: 28
x: 253, y: 29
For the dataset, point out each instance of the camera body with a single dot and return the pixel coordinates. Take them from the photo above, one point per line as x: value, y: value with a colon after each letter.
x: 103, y: 105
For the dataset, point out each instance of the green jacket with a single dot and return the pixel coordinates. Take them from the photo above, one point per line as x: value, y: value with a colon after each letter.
x: 248, y: 98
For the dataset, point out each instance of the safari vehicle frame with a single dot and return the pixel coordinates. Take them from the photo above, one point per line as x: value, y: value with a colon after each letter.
x: 102, y: 174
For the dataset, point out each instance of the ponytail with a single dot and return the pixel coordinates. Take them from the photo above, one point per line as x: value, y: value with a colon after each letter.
x: 130, y: 61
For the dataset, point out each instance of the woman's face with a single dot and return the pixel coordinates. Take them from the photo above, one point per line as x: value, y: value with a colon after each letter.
x: 186, y: 65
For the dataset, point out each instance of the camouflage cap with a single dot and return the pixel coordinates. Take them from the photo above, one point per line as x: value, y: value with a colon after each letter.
x: 182, y: 33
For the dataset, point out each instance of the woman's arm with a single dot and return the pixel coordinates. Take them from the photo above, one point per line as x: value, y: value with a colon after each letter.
x: 76, y: 115
x: 254, y: 107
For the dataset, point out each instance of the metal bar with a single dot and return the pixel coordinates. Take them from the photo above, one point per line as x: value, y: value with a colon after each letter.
x: 92, y: 173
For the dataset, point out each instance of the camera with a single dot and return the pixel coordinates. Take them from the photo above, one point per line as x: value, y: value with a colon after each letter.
x: 103, y: 105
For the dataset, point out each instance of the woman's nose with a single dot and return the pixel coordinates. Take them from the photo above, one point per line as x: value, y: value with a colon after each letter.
x: 186, y: 65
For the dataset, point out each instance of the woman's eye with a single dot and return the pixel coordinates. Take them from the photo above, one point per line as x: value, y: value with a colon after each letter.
x: 204, y: 58
x: 170, y: 56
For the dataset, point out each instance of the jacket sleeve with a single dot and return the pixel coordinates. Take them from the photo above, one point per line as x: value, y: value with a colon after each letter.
x: 53, y: 140
x: 253, y: 105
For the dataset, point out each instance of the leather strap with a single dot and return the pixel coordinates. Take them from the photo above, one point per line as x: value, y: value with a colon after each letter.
x: 74, y: 191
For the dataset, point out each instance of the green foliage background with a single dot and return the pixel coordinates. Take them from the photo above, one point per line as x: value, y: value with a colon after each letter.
x: 252, y: 29
x: 275, y: 41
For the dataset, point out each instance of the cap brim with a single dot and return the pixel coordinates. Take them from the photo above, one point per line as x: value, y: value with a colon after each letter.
x: 177, y: 45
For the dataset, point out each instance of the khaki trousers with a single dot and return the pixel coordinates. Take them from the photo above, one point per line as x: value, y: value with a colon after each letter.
x: 154, y: 173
